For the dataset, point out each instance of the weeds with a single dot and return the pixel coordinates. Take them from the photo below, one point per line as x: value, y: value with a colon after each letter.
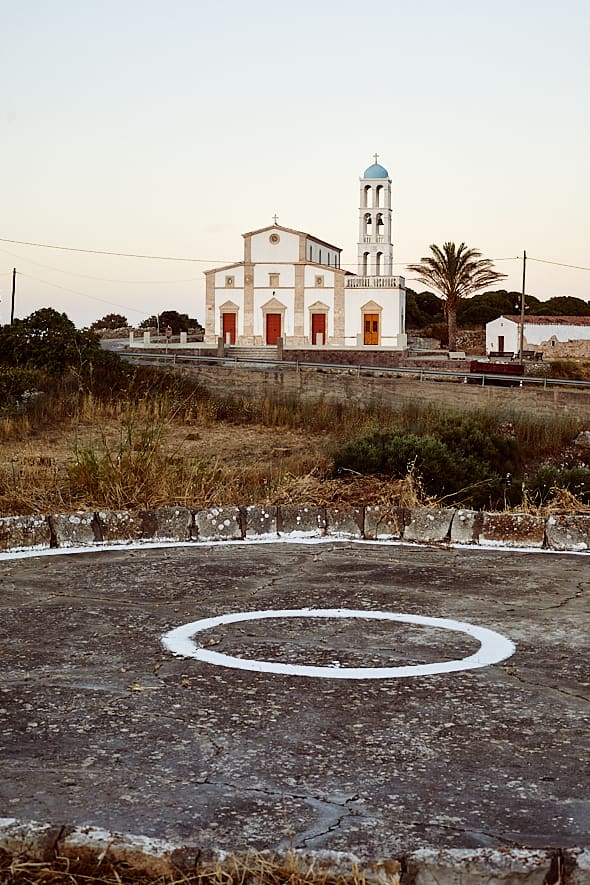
x: 130, y: 447
x: 253, y: 868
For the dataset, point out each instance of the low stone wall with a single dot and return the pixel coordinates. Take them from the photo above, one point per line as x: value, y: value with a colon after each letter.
x: 93, y: 850
x: 373, y: 523
x: 396, y: 393
x: 349, y: 357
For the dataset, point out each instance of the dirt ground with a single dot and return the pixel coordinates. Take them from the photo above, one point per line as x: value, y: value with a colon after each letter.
x: 248, y: 464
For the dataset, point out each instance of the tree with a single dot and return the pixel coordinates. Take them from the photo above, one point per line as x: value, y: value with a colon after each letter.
x: 111, y: 321
x: 178, y: 322
x: 422, y: 309
x: 48, y: 340
x: 562, y: 305
x: 455, y: 272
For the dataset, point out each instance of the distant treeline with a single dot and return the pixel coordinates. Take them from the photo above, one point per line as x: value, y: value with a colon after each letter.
x: 425, y: 309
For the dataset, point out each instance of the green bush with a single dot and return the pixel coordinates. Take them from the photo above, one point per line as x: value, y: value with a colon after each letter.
x: 444, y: 471
x: 541, y: 486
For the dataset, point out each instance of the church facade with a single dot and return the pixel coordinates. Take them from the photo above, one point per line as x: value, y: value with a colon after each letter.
x: 290, y: 285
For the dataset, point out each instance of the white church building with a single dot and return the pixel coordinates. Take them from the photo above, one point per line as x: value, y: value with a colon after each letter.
x: 290, y: 285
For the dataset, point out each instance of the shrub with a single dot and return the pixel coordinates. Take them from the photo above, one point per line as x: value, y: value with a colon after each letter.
x: 542, y: 485
x: 442, y: 471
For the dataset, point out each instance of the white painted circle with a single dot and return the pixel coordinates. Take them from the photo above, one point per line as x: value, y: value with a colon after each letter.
x: 494, y: 647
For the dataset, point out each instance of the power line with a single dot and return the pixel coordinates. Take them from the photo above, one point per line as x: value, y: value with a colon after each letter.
x: 86, y: 276
x: 117, y: 254
x: 83, y: 294
x: 557, y: 263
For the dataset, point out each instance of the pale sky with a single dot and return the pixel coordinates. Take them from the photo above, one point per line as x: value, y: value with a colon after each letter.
x: 171, y: 128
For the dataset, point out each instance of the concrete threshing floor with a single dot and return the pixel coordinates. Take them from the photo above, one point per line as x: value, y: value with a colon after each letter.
x: 99, y: 724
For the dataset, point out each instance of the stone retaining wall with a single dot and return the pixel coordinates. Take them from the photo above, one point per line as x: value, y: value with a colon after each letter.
x: 92, y: 849
x: 378, y: 389
x: 373, y: 523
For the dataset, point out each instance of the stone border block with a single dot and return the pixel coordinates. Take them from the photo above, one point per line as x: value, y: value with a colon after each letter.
x: 306, y: 521
x: 31, y: 840
x: 348, y: 522
x: 577, y: 863
x: 78, y: 529
x: 155, y: 858
x: 466, y: 527
x: 260, y: 521
x: 119, y: 526
x: 512, y: 530
x: 219, y: 524
x: 509, y: 866
x: 384, y: 523
x: 166, y: 524
x: 568, y: 532
x: 428, y: 526
x: 22, y: 532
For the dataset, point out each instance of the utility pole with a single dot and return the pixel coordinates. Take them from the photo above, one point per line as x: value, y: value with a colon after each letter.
x: 13, y: 291
x: 521, y: 342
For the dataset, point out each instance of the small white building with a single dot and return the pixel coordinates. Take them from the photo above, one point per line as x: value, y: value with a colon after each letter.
x: 290, y: 285
x: 557, y: 336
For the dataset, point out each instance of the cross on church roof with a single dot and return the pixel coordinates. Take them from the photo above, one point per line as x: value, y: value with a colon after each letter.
x: 376, y: 157
x: 275, y: 218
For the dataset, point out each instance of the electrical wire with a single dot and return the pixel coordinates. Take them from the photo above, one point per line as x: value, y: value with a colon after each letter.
x: 117, y: 254
x: 557, y: 263
x: 86, y: 276
x: 83, y: 294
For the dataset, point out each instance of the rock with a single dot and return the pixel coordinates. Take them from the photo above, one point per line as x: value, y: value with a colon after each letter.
x: 22, y: 532
x: 260, y: 521
x: 583, y: 439
x: 465, y: 866
x: 428, y: 525
x: 512, y: 530
x: 119, y: 525
x: 79, y: 529
x: 219, y: 524
x: 305, y: 521
x: 570, y: 532
x: 347, y: 522
x: 466, y: 527
x: 167, y: 524
x: 385, y: 523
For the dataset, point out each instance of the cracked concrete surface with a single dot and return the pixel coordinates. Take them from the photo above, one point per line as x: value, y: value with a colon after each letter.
x: 99, y: 725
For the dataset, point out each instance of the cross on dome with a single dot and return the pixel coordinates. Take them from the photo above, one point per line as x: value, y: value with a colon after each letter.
x: 275, y: 218
x: 376, y: 157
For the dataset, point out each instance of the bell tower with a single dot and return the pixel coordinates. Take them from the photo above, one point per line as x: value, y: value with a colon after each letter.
x: 375, y: 249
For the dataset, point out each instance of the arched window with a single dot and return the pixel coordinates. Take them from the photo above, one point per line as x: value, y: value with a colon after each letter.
x: 380, y: 226
x: 366, y: 193
x: 378, y: 195
x: 368, y: 224
x: 379, y: 264
x: 365, y: 264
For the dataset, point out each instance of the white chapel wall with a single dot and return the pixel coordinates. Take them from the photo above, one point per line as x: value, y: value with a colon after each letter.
x: 264, y: 250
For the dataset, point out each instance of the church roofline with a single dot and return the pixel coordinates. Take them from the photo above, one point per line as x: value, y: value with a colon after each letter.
x: 224, y: 267
x: 292, y: 230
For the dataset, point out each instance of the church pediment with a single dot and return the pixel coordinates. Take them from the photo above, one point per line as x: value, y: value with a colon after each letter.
x: 372, y: 307
x: 228, y: 306
x: 274, y: 305
x: 318, y: 305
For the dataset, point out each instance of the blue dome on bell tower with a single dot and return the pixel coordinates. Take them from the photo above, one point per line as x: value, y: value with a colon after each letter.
x: 376, y: 171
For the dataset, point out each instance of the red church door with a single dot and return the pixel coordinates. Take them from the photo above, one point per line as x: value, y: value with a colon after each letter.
x: 318, y: 328
x: 273, y: 327
x: 229, y: 328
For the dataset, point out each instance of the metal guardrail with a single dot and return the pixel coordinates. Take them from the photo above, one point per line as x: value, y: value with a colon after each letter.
x: 398, y: 371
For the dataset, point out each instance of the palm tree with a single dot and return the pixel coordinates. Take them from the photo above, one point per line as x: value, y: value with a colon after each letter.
x: 455, y: 272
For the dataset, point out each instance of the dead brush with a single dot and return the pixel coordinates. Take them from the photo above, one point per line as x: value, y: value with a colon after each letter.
x: 251, y: 868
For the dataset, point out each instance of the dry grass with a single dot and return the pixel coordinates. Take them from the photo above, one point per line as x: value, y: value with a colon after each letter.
x: 175, y: 445
x: 253, y: 868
